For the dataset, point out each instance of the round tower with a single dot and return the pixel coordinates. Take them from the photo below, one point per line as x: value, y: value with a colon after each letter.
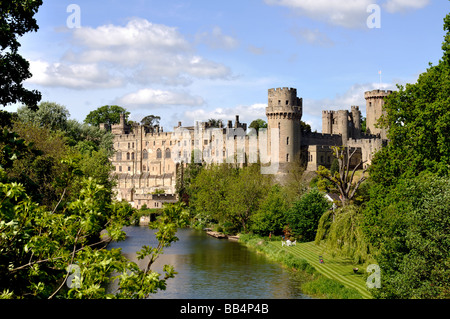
x: 356, y: 117
x: 374, y: 110
x: 284, y: 112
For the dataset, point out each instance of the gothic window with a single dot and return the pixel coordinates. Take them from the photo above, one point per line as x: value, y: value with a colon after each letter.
x: 159, y: 153
x: 118, y: 156
x: 128, y: 156
x: 132, y: 145
x: 144, y: 154
x: 128, y: 145
x: 167, y: 153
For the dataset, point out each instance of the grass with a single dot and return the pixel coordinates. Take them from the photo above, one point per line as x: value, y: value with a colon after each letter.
x: 334, y: 279
x: 338, y: 268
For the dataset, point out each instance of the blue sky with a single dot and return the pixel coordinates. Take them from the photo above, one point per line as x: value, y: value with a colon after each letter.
x: 195, y: 60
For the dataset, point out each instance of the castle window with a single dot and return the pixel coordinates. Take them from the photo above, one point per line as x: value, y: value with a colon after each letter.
x: 132, y: 156
x: 321, y: 159
x: 279, y: 102
x: 120, y: 168
x: 144, y: 168
x: 132, y: 146
x: 287, y: 157
x: 287, y: 140
x: 168, y: 153
x: 119, y: 156
x: 128, y: 145
x: 159, y: 153
x: 128, y: 156
x: 129, y: 168
x: 287, y: 102
x: 144, y: 154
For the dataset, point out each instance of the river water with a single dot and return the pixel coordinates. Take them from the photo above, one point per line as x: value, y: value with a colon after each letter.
x: 210, y: 268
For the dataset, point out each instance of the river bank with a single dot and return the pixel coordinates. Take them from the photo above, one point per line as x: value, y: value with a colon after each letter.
x: 313, y: 282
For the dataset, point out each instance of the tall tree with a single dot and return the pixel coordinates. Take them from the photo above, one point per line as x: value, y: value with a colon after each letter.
x: 16, y: 19
x: 418, y: 118
x: 107, y: 114
x: 343, y: 178
x: 151, y: 121
x: 257, y: 124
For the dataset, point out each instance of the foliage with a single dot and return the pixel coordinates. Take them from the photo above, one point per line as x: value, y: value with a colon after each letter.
x: 343, y: 178
x: 16, y: 19
x: 245, y: 192
x: 151, y: 121
x: 341, y: 232
x: 419, y: 121
x: 228, y: 195
x: 48, y: 114
x: 271, y: 217
x: 410, y: 227
x: 107, y: 114
x: 257, y: 124
x: 303, y: 217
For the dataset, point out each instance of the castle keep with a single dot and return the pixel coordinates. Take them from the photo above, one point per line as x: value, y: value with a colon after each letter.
x: 147, y: 161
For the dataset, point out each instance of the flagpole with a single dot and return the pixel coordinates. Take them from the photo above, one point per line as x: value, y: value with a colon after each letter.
x: 379, y: 72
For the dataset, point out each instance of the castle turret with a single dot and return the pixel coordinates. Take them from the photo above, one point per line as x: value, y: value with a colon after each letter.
x: 374, y: 110
x: 284, y: 112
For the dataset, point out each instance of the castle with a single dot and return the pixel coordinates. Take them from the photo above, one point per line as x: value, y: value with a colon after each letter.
x: 147, y: 161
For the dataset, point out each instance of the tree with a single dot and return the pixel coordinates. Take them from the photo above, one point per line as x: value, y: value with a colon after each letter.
x: 343, y: 179
x: 107, y: 114
x: 419, y: 121
x: 215, y: 122
x: 271, y: 216
x: 16, y: 19
x: 48, y: 114
x: 257, y: 124
x: 409, y: 225
x: 304, y: 215
x: 151, y: 121
x: 244, y: 195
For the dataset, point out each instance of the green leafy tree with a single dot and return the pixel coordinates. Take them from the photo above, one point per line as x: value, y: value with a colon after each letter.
x: 409, y: 226
x: 16, y: 19
x: 271, y: 216
x: 48, y: 114
x: 108, y: 114
x: 304, y: 215
x: 419, y: 121
x: 343, y: 178
x: 151, y: 121
x: 244, y: 194
x: 257, y: 124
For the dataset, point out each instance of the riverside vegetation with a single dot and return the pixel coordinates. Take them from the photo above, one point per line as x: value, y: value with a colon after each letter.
x: 56, y: 199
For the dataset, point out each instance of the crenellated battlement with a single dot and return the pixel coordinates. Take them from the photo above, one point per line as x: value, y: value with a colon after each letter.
x: 377, y: 94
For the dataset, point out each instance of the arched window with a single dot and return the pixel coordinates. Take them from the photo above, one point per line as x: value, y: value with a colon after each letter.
x: 132, y: 156
x: 167, y: 153
x: 118, y: 156
x: 158, y: 153
x: 144, y: 154
x: 128, y: 156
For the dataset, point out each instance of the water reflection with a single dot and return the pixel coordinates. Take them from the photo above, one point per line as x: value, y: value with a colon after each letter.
x: 210, y: 268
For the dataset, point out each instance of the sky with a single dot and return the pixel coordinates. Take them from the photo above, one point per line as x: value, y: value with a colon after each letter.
x: 195, y: 60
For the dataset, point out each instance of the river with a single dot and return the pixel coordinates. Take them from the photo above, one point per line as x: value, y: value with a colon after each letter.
x: 210, y: 268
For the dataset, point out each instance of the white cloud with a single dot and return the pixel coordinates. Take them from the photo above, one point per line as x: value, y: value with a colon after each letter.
x: 156, y: 98
x: 246, y: 113
x: 139, y: 52
x: 394, y: 6
x: 348, y: 14
x: 217, y: 40
x: 75, y: 76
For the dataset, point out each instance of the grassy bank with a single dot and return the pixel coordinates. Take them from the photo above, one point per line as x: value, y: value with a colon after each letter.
x: 334, y: 279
